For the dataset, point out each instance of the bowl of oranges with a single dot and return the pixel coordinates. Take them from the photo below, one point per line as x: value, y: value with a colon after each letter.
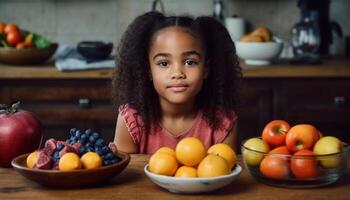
x: 82, y: 160
x: 190, y: 168
x: 298, y: 156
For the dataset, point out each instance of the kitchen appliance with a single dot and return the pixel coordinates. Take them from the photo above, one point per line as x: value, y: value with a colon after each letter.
x: 315, y: 19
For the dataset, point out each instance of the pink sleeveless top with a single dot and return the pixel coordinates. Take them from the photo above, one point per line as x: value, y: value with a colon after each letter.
x: 150, y: 142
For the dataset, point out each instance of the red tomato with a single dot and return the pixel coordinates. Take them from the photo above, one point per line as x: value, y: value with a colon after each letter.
x: 11, y: 28
x: 274, y: 133
x: 2, y: 27
x: 274, y: 167
x: 13, y: 38
x: 304, y: 165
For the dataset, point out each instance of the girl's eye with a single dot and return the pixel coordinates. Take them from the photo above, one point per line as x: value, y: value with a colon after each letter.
x: 191, y: 62
x: 163, y: 63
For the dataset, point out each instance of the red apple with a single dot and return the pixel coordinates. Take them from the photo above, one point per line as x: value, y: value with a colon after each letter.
x: 302, y: 136
x: 304, y: 164
x: 275, y: 167
x: 275, y: 132
x: 20, y: 132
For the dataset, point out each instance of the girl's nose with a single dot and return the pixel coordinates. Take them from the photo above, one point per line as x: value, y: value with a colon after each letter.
x: 178, y: 73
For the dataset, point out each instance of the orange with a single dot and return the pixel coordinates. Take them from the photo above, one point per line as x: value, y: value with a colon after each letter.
x: 186, y: 172
x: 69, y: 161
x: 163, y: 164
x: 225, y: 151
x: 91, y: 160
x: 213, y: 165
x: 190, y: 151
x: 32, y: 158
x: 166, y: 150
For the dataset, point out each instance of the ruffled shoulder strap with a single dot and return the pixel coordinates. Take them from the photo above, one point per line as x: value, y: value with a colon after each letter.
x: 133, y: 122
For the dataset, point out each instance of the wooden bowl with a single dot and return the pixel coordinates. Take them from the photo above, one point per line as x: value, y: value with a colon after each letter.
x: 71, y: 179
x: 28, y: 56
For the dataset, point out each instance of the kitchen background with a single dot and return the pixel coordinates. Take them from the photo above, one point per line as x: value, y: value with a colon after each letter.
x: 71, y: 21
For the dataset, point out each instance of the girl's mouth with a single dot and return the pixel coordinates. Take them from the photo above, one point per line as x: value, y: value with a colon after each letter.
x: 178, y: 87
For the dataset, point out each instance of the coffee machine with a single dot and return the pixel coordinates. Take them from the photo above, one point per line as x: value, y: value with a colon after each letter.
x: 315, y: 18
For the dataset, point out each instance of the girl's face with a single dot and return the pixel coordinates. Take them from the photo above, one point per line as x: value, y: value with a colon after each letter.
x: 177, y: 65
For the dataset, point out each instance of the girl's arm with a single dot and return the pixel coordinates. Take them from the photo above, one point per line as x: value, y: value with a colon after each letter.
x: 122, y: 138
x: 231, y: 138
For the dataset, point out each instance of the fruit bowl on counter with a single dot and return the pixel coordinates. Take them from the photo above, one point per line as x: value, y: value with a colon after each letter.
x: 295, y: 157
x: 192, y: 185
x: 71, y: 179
x: 84, y: 159
x: 28, y: 56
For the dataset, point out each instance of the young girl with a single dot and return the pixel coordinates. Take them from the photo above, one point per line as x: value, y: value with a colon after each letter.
x: 176, y: 77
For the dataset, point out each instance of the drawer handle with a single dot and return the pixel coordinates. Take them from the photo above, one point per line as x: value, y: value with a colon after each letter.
x: 84, y: 103
x: 339, y: 101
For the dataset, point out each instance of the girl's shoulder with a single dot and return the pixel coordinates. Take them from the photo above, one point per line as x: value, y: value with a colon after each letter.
x: 133, y: 121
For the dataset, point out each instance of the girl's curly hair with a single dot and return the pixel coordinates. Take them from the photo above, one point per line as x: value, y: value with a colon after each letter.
x: 131, y: 82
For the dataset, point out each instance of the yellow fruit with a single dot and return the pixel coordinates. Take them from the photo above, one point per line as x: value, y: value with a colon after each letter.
x: 213, y: 165
x: 190, y: 151
x: 32, y: 158
x: 186, y: 172
x: 166, y: 150
x: 69, y: 161
x: 91, y: 160
x: 163, y: 164
x: 225, y: 151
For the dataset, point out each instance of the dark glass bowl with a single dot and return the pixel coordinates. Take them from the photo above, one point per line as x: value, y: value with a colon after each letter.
x: 95, y: 50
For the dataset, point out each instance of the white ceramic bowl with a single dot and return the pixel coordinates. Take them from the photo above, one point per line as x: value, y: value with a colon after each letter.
x: 258, y: 53
x: 193, y: 185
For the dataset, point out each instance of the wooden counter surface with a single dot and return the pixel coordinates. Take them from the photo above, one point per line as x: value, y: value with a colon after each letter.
x: 332, y: 68
x: 132, y: 183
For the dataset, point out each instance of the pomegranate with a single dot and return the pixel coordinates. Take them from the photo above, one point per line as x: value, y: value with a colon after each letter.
x: 20, y: 132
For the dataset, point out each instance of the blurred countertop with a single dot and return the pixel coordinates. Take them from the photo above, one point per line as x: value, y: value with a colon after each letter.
x: 330, y: 68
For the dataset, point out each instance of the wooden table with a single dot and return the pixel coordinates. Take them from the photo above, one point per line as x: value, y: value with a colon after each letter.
x: 132, y: 183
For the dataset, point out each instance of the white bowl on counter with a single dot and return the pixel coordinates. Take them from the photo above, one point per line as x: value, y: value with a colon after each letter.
x: 192, y: 185
x: 258, y: 53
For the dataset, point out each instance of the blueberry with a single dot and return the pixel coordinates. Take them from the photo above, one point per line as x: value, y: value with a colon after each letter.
x: 77, y: 134
x: 100, y: 142
x: 56, y: 154
x: 92, y: 139
x: 88, y: 132
x: 54, y: 160
x: 83, y: 141
x: 109, y: 155
x: 72, y: 131
x: 95, y: 134
x: 82, y: 150
x: 105, y: 149
x: 73, y: 141
x: 106, y: 162
x: 90, y: 148
x: 59, y: 147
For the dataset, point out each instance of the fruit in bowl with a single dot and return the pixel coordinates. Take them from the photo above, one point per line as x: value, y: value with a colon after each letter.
x: 315, y: 160
x: 259, y: 47
x: 189, y: 168
x: 83, y: 159
x: 18, y: 46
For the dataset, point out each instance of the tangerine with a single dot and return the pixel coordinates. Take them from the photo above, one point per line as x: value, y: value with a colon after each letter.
x: 91, y: 160
x: 69, y: 161
x: 186, y: 172
x: 163, y: 164
x: 225, y: 151
x: 213, y: 165
x: 190, y: 151
x: 32, y: 158
x: 167, y: 150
